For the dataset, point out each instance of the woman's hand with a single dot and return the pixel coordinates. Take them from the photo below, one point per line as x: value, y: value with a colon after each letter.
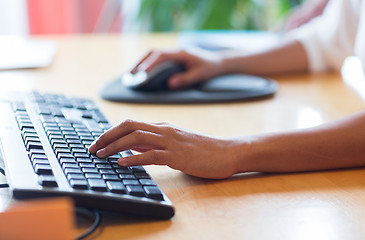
x: 198, y: 68
x: 163, y: 144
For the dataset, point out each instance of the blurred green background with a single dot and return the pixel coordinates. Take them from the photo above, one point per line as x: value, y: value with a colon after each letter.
x: 177, y: 15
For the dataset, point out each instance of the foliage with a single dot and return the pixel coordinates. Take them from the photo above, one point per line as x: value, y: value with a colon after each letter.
x: 176, y: 15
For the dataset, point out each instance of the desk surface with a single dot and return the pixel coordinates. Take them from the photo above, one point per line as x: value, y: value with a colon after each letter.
x: 320, y: 205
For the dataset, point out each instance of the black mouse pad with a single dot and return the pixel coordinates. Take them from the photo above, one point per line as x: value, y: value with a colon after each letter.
x: 236, y: 87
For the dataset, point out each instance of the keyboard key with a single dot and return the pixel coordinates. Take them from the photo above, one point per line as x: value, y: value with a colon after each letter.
x: 37, y: 151
x: 73, y: 141
x: 79, y: 183
x: 97, y: 184
x: 55, y: 136
x: 58, y: 141
x: 78, y: 150
x: 75, y: 176
x: 71, y: 136
x: 76, y: 145
x: 153, y: 192
x: 72, y: 170
x: 24, y: 126
x: 147, y: 182
x: 126, y: 153
x: 87, y: 165
x: 60, y: 145
x: 93, y: 126
x: 135, y: 190
x: 127, y: 176
x: 40, y: 161
x: 89, y: 170
x: 138, y: 169
x: 69, y: 165
x: 33, y: 139
x: 123, y: 170
x: 47, y: 181
x: 62, y: 150
x: 65, y: 155
x: 116, y: 187
x: 67, y: 128
x: 38, y: 156
x: 27, y: 134
x: 18, y: 106
x: 107, y: 171
x: 67, y: 160
x: 130, y: 182
x: 89, y: 138
x: 142, y: 175
x: 47, y: 119
x: 43, y: 169
x: 100, y: 160
x: 34, y: 145
x: 103, y: 166
x: 111, y: 177
x: 84, y: 160
x: 92, y: 175
x: 82, y: 155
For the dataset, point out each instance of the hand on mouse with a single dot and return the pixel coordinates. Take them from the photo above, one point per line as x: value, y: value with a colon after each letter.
x: 198, y: 68
x: 163, y: 144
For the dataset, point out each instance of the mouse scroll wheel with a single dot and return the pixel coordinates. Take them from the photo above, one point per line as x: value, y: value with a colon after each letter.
x: 136, y: 79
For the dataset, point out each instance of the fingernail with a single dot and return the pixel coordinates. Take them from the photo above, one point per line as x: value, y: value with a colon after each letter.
x: 101, y: 153
x: 122, y: 162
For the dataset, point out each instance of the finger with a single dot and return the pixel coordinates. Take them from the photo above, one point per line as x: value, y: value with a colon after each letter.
x: 156, y: 157
x: 185, y: 79
x: 136, y: 139
x: 179, y: 56
x: 120, y: 130
x: 141, y: 61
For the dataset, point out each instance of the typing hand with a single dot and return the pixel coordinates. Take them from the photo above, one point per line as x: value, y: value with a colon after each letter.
x: 163, y: 144
x: 198, y: 68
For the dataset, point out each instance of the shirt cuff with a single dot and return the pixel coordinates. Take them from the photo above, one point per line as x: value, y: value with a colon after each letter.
x: 312, y: 45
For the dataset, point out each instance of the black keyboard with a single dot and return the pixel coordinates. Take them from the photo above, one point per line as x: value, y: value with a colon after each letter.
x: 44, y: 141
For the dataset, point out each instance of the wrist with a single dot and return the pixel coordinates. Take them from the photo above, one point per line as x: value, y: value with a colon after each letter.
x: 230, y: 64
x: 244, y: 155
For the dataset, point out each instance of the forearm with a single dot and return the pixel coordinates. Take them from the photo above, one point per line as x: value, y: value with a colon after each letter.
x: 286, y: 58
x: 339, y: 144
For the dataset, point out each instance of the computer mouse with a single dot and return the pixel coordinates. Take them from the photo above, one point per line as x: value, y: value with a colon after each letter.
x: 154, y: 80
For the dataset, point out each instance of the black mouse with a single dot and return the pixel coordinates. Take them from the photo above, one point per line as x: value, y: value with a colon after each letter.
x: 155, y: 80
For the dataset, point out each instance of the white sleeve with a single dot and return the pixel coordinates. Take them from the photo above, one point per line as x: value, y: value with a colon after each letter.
x: 330, y: 38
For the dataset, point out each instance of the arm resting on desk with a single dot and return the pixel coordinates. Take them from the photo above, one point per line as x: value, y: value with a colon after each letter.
x: 339, y: 144
x: 288, y: 57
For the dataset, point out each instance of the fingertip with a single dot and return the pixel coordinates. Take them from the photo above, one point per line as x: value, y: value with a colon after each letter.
x: 123, y: 162
x: 101, y: 153
x: 92, y: 148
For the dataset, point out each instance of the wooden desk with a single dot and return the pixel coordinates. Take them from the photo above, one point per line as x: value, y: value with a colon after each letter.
x: 320, y: 205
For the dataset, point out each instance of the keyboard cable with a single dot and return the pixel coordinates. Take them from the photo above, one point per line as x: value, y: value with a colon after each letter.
x: 89, y: 214
x: 81, y: 211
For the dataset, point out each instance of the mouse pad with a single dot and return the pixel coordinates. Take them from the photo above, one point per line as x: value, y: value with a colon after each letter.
x: 235, y: 87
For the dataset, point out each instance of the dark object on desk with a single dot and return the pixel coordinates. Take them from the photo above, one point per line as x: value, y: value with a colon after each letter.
x: 151, y: 87
x: 221, y: 89
x: 153, y: 81
x: 44, y: 142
